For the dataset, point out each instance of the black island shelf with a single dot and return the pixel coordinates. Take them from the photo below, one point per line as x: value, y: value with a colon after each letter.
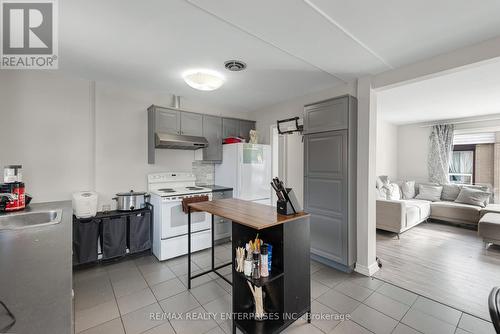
x: 287, y: 289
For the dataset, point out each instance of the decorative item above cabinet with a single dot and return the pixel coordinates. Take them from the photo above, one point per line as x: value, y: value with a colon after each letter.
x: 173, y: 128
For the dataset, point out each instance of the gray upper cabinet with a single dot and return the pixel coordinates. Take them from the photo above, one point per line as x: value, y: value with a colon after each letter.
x: 191, y: 124
x: 230, y: 127
x: 326, y: 115
x: 180, y: 122
x: 212, y: 131
x: 167, y: 120
x: 245, y: 127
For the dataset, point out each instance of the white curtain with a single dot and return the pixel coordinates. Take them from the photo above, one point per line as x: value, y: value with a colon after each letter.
x: 440, y: 149
x: 462, y: 162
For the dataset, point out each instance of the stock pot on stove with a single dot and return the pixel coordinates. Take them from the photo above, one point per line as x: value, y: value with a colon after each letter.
x: 131, y: 200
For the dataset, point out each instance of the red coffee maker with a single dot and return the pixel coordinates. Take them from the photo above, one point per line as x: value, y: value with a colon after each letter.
x: 12, y: 192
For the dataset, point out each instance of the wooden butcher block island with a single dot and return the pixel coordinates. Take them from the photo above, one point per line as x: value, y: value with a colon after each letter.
x: 287, y: 290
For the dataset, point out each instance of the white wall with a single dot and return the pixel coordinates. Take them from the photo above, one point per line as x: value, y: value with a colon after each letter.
x: 387, y: 149
x: 45, y: 125
x: 66, y: 142
x: 413, y: 149
x: 413, y: 146
x: 295, y: 107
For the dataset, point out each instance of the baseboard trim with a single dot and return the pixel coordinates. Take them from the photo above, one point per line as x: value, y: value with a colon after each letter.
x: 331, y: 263
x: 367, y: 270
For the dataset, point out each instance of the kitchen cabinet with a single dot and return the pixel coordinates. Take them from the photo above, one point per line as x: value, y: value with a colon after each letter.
x: 326, y: 115
x: 180, y: 122
x: 167, y: 120
x: 330, y: 182
x: 222, y: 225
x: 244, y: 129
x: 230, y: 127
x: 212, y: 131
x: 191, y: 124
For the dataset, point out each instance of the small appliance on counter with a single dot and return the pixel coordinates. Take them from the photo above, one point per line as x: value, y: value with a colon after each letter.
x: 287, y: 203
x: 12, y: 191
x: 131, y: 200
x: 85, y: 204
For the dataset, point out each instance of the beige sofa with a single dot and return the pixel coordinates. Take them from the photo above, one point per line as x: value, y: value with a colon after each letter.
x: 400, y: 215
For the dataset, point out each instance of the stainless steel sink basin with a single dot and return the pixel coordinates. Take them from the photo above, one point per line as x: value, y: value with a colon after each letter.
x: 16, y: 221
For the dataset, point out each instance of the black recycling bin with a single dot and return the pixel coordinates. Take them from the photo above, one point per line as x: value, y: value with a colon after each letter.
x: 85, y: 239
x: 139, y: 232
x: 114, y: 237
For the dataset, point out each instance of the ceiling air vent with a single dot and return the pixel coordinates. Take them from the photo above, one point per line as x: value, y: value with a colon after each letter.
x: 235, y: 65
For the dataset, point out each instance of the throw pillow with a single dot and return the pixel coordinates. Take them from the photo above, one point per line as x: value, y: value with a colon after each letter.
x: 450, y: 192
x: 429, y: 193
x: 394, y: 192
x: 408, y: 189
x: 382, y: 180
x: 481, y: 187
x: 473, y: 197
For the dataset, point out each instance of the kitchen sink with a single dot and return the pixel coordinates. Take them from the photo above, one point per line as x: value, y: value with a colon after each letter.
x: 16, y: 221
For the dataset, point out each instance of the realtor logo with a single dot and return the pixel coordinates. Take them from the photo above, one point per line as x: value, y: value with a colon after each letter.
x: 29, y: 34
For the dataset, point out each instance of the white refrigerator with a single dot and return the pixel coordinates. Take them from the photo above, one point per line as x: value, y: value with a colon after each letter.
x: 247, y: 169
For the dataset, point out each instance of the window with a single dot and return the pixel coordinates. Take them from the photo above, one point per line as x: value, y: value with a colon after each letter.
x: 462, y: 164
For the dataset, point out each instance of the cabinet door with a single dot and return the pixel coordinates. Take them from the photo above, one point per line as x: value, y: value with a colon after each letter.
x: 167, y: 120
x: 245, y: 127
x: 191, y: 124
x: 326, y: 193
x: 327, y: 115
x: 212, y: 131
x: 230, y: 127
x: 222, y: 226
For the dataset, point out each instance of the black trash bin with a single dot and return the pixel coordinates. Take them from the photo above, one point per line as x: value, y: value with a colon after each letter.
x: 85, y: 239
x: 140, y: 232
x: 114, y: 237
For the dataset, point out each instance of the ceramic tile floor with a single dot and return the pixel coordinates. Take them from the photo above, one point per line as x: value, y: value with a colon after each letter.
x: 119, y: 298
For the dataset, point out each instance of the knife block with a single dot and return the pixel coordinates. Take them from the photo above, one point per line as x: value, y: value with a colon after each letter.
x: 289, y: 205
x: 284, y: 208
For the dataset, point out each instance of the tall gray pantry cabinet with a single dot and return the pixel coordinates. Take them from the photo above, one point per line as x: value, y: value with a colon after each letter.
x: 330, y: 179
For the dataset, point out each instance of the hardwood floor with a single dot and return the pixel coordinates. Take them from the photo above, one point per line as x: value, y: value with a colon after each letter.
x: 442, y: 262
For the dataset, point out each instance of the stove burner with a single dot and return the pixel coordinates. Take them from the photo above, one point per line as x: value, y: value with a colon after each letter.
x: 167, y: 190
x: 194, y: 188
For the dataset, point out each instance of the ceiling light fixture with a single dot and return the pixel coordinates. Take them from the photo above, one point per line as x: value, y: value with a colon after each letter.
x: 203, y: 79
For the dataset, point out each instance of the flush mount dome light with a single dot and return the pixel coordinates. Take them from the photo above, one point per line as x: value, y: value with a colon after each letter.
x: 203, y: 79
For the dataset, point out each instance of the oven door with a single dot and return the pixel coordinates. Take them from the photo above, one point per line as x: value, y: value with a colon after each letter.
x: 175, y: 221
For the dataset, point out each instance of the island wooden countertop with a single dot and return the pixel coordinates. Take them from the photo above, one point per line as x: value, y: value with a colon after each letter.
x: 254, y: 215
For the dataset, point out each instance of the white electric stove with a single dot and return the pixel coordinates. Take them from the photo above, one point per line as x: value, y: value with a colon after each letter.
x: 170, y: 222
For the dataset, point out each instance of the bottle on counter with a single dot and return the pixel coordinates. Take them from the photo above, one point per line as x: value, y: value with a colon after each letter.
x: 247, y: 266
x: 264, y: 269
x: 256, y: 266
x: 269, y: 256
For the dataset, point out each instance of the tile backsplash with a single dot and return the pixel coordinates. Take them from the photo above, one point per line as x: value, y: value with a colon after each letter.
x: 204, y: 172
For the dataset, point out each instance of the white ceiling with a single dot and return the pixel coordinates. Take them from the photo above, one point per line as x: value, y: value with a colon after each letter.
x: 292, y: 47
x: 466, y: 93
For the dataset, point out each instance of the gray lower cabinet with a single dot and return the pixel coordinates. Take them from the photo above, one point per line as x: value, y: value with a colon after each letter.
x: 167, y: 120
x: 222, y: 226
x: 244, y: 128
x: 191, y: 124
x: 230, y: 127
x: 212, y: 131
x: 330, y: 188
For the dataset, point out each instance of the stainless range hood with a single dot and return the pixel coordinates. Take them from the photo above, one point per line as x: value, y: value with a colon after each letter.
x: 182, y: 142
